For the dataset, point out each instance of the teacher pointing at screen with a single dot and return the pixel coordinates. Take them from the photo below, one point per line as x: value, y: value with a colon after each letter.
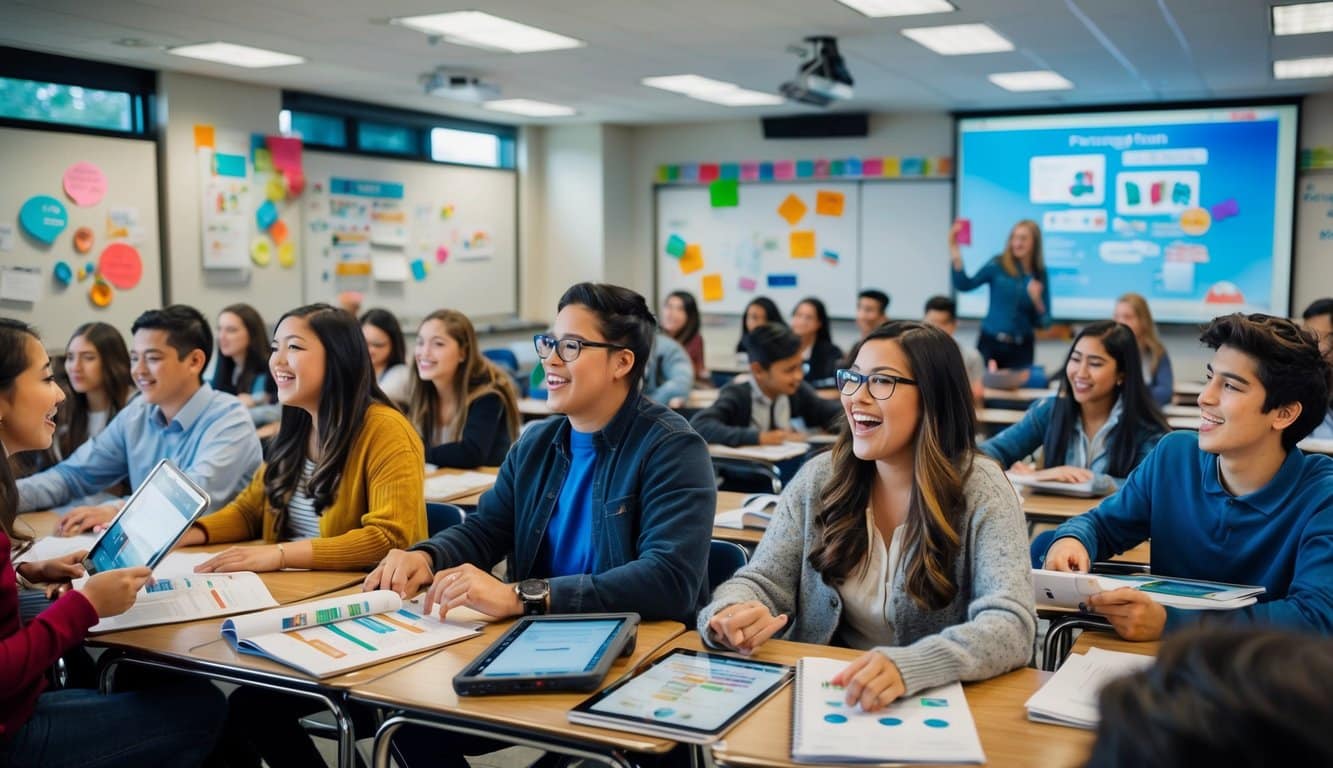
x: 1020, y: 301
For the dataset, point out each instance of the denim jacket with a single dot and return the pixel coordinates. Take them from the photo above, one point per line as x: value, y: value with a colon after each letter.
x: 653, y: 503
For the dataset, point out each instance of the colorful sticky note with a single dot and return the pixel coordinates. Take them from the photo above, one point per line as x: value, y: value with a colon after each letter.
x: 352, y: 269
x: 295, y: 181
x: 707, y: 172
x: 261, y: 250
x: 747, y: 284
x: 693, y: 260
x: 662, y: 174
x: 792, y: 209
x: 943, y: 166
x: 712, y: 287
x: 828, y: 203
x: 830, y: 257
x: 63, y: 273
x: 266, y: 214
x: 275, y: 190
x: 278, y: 232
x: 675, y: 246
x: 84, y: 183
x: 729, y: 171
x: 784, y: 170
x: 441, y: 255
x: 872, y: 166
x: 418, y: 270
x: 100, y: 294
x: 782, y: 281
x: 925, y: 166
x: 263, y: 160
x: 749, y: 171
x: 285, y: 152
x: 803, y: 244
x: 892, y: 167
x: 1225, y: 209
x: 911, y: 166
x: 835, y: 167
x: 854, y: 166
x: 765, y: 171
x: 805, y: 169
x: 287, y: 255
x: 120, y: 265
x: 724, y: 193
x: 43, y: 217
x: 229, y: 165
x: 689, y: 173
x: 203, y: 136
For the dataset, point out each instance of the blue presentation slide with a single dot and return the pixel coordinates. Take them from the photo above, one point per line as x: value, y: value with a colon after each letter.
x: 1191, y: 208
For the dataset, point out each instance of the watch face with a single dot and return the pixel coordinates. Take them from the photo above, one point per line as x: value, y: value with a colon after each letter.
x: 533, y: 589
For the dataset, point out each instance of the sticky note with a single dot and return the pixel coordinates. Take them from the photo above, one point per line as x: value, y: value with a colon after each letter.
x: 892, y: 167
x: 352, y: 268
x: 120, y: 265
x: 729, y: 171
x: 873, y: 166
x: 1225, y: 209
x: 275, y: 190
x: 782, y: 281
x: 784, y: 170
x: 943, y: 166
x: 792, y: 209
x: 295, y: 180
x: 749, y: 171
x: 712, y: 287
x: 286, y: 255
x: 693, y: 260
x: 689, y: 173
x: 663, y: 174
x: 765, y: 171
x: 263, y: 160
x: 747, y: 284
x: 418, y: 270
x: 441, y: 255
x: 278, y: 232
x: 43, y: 217
x: 803, y: 244
x: 266, y: 214
x: 285, y: 152
x: 203, y: 136
x: 830, y: 257
x: 805, y: 169
x: 260, y: 252
x: 854, y: 166
x: 835, y: 167
x: 911, y: 166
x: 675, y: 246
x: 828, y: 203
x: 229, y: 165
x: 707, y: 172
x: 724, y: 193
x: 84, y: 183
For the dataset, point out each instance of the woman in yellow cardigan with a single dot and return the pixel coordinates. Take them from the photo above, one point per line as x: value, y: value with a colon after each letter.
x: 344, y: 483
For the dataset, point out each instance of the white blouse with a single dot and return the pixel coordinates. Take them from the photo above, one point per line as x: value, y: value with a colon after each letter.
x: 866, y: 592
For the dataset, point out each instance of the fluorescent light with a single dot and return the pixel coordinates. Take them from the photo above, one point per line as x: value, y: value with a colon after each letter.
x: 959, y: 39
x: 882, y: 8
x: 530, y: 107
x: 1037, y: 80
x: 1302, y: 19
x: 236, y: 55
x: 1295, y: 69
x: 482, y: 30
x: 741, y: 97
x: 714, y: 91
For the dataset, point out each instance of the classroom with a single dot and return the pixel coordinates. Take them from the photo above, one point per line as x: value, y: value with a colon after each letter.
x: 753, y: 383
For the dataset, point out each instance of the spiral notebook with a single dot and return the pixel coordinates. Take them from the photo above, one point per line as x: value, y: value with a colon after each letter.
x: 931, y: 726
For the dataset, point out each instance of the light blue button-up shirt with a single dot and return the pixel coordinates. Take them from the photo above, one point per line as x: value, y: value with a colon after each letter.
x: 212, y: 440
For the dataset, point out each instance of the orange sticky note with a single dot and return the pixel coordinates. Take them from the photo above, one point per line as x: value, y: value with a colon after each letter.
x: 278, y: 232
x: 352, y: 268
x: 712, y: 288
x: 803, y: 244
x: 203, y: 136
x: 693, y: 260
x: 792, y: 209
x: 828, y: 203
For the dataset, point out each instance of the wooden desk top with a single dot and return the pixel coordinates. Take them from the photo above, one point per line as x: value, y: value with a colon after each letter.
x: 426, y: 687
x: 1050, y: 508
x: 469, y: 499
x: 999, y: 416
x: 1029, y: 394
x: 1110, y: 641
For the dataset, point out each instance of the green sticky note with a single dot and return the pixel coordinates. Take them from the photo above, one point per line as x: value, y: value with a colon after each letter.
x: 675, y: 246
x: 725, y: 193
x: 263, y: 160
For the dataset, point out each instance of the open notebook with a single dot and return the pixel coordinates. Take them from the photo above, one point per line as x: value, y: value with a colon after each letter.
x: 1068, y: 590
x: 756, y: 511
x: 1069, y: 697
x: 448, y: 487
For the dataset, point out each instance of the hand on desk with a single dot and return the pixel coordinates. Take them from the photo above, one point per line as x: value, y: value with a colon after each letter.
x: 259, y: 559
x: 406, y: 573
x: 468, y: 585
x: 745, y: 626
x: 1068, y: 554
x: 873, y: 681
x: 1133, y: 614
x: 1064, y: 474
x: 779, y: 436
x: 80, y: 519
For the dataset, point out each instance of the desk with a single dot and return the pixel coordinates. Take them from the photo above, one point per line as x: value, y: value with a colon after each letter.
x: 1000, y: 417
x: 469, y: 497
x: 727, y: 500
x: 537, y: 720
x: 531, y: 408
x: 1050, y: 509
x: 1026, y: 394
x: 1110, y: 641
x: 1188, y: 391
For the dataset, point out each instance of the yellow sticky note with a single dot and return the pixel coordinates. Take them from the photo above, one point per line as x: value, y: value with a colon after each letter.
x: 260, y: 251
x: 803, y: 244
x: 712, y: 288
x: 287, y: 255
x: 275, y: 190
x: 352, y: 268
x: 203, y: 136
x: 693, y: 260
x: 792, y: 209
x: 893, y: 166
x: 828, y: 203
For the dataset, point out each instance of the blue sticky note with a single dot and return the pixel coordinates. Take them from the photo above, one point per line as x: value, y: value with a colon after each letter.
x: 912, y: 166
x: 805, y: 169
x: 266, y: 215
x: 675, y: 246
x: 418, y: 270
x: 782, y: 281
x: 729, y: 171
x: 43, y: 217
x: 765, y: 171
x: 853, y: 166
x: 229, y: 165
x: 689, y: 172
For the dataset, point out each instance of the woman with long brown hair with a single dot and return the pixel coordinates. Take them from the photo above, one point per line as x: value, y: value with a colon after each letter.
x: 1132, y: 310
x: 902, y: 541
x: 1020, y: 295
x: 463, y: 406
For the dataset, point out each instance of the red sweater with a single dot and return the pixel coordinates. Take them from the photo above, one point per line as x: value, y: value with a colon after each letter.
x: 26, y: 652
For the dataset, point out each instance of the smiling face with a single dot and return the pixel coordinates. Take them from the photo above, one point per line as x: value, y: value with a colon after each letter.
x: 297, y: 364
x: 673, y: 315
x: 163, y: 377
x: 83, y: 365
x: 869, y: 316
x: 1093, y: 373
x: 755, y: 316
x: 380, y: 346
x: 233, y: 339
x: 1231, y: 406
x: 805, y: 321
x: 783, y: 377
x: 28, y: 409
x: 882, y: 430
x: 438, y: 354
x: 592, y: 386
x: 1020, y: 242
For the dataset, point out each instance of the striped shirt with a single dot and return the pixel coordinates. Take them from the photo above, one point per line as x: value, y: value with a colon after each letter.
x: 302, y: 520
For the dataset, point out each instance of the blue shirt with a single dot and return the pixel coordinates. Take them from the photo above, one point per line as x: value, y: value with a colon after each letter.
x: 567, y: 546
x: 1011, y: 309
x: 211, y: 439
x: 1280, y: 537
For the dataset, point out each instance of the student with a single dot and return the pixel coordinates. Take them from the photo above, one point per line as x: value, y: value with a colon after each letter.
x: 669, y: 376
x: 1132, y: 310
x: 942, y: 312
x: 1020, y: 298
x: 872, y: 310
x: 388, y: 355
x: 762, y: 411
x: 821, y: 356
x: 1221, y: 697
x: 1319, y: 321
x: 1236, y: 502
x: 760, y: 311
x: 680, y: 321
x: 241, y: 366
x: 902, y: 541
x: 207, y: 433
x: 463, y: 406
x: 176, y: 724
x: 1101, y: 424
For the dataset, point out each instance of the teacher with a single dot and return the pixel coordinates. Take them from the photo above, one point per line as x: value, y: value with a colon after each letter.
x: 1020, y: 301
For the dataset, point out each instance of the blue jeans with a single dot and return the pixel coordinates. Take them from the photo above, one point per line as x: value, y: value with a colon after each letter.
x: 174, y: 724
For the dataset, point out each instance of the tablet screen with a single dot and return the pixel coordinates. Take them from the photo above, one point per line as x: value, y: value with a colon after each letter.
x: 150, y: 523
x: 547, y: 648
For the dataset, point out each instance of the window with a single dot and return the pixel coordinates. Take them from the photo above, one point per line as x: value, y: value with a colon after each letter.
x: 67, y: 104
x: 450, y: 145
x: 379, y: 137
x: 71, y: 94
x: 314, y: 129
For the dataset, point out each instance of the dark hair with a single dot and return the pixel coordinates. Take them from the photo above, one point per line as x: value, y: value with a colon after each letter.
x: 771, y: 311
x: 1318, y: 307
x: 623, y: 317
x: 386, y: 321
x: 879, y: 297
x: 187, y: 330
x: 14, y: 361
x: 942, y: 304
x: 824, y: 334
x: 256, y: 353
x: 944, y: 449
x: 770, y: 343
x: 1288, y: 361
x: 1222, y: 696
x: 349, y: 390
x: 476, y: 377
x: 1139, y: 414
x: 116, y: 382
x: 691, y: 327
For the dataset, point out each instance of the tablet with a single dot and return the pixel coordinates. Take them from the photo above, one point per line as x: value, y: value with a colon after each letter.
x: 686, y: 695
x: 550, y: 653
x: 151, y: 522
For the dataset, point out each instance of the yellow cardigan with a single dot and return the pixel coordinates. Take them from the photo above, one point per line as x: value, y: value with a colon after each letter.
x: 380, y: 503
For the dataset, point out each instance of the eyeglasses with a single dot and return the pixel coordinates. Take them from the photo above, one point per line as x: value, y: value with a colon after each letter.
x: 880, y: 385
x: 567, y: 348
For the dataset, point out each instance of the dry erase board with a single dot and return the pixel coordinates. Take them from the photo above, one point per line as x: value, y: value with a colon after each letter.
x: 904, y: 241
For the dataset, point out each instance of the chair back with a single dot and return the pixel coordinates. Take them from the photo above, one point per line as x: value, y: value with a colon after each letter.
x: 440, y: 515
x: 724, y: 559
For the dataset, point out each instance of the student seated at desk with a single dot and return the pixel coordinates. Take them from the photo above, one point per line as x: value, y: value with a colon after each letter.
x: 680, y: 321
x: 174, y: 724
x: 207, y: 433
x: 388, y: 354
x: 809, y: 321
x: 760, y: 311
x: 241, y: 365
x: 669, y: 376
x: 1132, y: 310
x: 1236, y: 502
x: 902, y: 541
x: 942, y: 312
x: 463, y: 406
x: 1318, y: 319
x: 761, y: 411
x: 1101, y: 424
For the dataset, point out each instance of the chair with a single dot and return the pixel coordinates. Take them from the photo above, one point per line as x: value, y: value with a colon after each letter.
x: 440, y: 516
x: 502, y: 357
x: 724, y: 559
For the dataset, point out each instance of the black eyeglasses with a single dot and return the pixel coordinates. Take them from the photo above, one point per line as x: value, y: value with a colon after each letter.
x: 567, y: 348
x: 880, y: 385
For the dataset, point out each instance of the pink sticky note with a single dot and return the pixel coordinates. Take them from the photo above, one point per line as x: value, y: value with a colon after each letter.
x: 747, y: 284
x: 749, y: 171
x: 872, y: 166
x: 85, y: 184
x: 441, y: 255
x: 285, y: 152
x: 784, y: 169
x: 964, y: 236
x: 821, y: 169
x: 295, y: 181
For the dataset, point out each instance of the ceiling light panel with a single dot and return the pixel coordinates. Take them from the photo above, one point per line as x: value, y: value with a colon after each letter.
x: 482, y: 30
x: 236, y: 55
x: 960, y: 39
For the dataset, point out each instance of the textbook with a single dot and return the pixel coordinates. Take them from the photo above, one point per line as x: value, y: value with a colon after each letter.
x: 1069, y: 697
x: 338, y: 634
x: 756, y: 511
x: 1069, y: 590
x: 178, y: 594
x: 770, y: 453
x: 1084, y: 490
x: 451, y: 486
x: 931, y: 726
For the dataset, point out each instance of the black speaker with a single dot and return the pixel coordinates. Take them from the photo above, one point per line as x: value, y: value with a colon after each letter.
x: 834, y: 125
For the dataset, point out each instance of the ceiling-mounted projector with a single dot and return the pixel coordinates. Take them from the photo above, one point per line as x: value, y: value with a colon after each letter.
x: 823, y: 78
x: 459, y: 87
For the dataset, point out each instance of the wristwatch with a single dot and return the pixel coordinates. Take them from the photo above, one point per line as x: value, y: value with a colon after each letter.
x: 533, y: 593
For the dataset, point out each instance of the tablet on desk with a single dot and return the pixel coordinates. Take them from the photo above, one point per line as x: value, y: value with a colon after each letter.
x: 550, y: 653
x: 150, y: 523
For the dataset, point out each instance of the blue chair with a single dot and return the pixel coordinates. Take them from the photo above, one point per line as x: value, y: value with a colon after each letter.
x: 724, y: 559
x: 502, y: 357
x: 440, y: 516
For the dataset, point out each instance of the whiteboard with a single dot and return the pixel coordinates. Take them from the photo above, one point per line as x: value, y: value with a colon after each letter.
x: 904, y: 249
x: 749, y: 247
x: 459, y: 223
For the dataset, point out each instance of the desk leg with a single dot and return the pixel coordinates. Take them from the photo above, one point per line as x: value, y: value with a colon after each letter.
x: 384, y: 736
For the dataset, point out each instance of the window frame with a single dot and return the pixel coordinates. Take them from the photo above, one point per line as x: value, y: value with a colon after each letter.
x: 139, y: 84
